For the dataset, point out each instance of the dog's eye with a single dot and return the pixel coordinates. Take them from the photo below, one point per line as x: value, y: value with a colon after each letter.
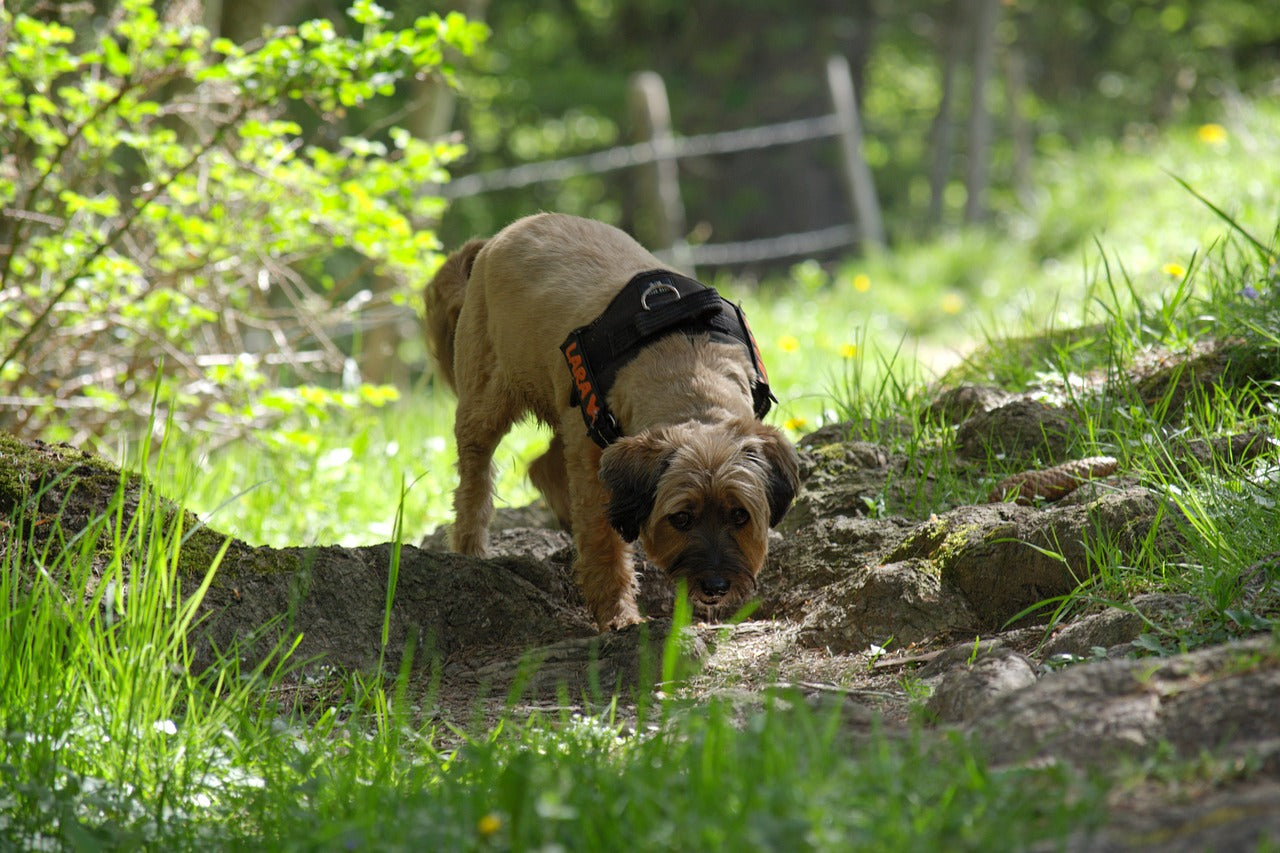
x: 680, y: 520
x: 740, y: 517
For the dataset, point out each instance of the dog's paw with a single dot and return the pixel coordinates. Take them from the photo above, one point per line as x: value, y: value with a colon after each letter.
x: 616, y: 615
x: 471, y: 544
x: 618, y: 623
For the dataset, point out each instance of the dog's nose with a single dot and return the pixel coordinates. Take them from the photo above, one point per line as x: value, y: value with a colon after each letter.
x: 714, y: 587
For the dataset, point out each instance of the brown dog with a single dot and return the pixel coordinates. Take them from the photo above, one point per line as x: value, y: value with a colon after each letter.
x: 689, y: 471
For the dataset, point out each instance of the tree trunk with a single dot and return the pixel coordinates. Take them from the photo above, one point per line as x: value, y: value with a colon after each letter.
x: 985, y: 16
x: 1015, y: 83
x: 942, y: 134
x: 432, y: 105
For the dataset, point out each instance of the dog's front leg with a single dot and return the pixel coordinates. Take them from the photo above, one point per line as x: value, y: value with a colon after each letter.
x: 603, y: 565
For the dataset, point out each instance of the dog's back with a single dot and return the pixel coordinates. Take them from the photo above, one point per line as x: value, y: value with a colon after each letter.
x: 443, y: 297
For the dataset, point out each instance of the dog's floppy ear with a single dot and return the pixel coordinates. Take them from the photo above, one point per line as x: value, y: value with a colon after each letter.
x: 631, y: 469
x: 782, y: 471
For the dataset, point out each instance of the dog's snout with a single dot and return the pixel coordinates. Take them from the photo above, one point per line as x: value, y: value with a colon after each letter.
x: 715, y: 586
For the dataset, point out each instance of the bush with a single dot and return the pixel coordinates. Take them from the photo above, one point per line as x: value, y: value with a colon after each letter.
x: 164, y: 212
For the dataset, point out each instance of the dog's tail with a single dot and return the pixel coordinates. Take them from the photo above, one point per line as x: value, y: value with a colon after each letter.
x: 443, y: 298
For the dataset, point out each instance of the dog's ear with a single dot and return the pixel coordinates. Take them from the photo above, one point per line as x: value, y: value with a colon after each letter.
x: 631, y: 468
x: 782, y: 471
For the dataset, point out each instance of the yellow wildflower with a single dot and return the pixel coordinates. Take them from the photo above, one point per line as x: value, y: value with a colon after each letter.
x: 1212, y: 134
x: 489, y: 824
x: 861, y: 282
x: 951, y: 303
x: 788, y: 343
x: 1174, y: 270
x: 794, y: 424
x: 848, y: 350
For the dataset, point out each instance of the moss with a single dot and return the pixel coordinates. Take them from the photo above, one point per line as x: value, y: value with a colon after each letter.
x: 28, y: 467
x: 82, y: 487
x: 834, y: 452
x: 201, y: 545
x: 940, y: 541
x: 13, y: 491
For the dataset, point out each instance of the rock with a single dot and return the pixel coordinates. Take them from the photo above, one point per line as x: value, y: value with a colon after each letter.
x: 963, y: 654
x: 1189, y: 457
x: 1005, y: 558
x: 956, y: 405
x: 1022, y: 429
x: 1242, y: 817
x: 1223, y: 366
x: 966, y: 692
x: 507, y: 520
x: 335, y: 598
x: 904, y: 601
x: 553, y: 546
x: 1221, y: 699
x: 1117, y: 626
x: 847, y: 478
x: 803, y: 565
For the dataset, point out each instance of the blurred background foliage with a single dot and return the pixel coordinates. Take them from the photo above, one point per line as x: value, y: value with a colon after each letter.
x: 552, y: 81
x: 231, y: 204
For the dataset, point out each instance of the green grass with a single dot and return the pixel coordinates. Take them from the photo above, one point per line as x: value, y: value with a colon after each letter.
x: 1113, y: 229
x: 111, y: 741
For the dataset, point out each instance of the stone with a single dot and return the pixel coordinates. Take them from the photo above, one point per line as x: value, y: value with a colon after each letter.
x: 1023, y: 430
x: 965, y: 692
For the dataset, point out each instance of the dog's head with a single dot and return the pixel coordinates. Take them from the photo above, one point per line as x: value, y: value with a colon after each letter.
x: 701, y: 499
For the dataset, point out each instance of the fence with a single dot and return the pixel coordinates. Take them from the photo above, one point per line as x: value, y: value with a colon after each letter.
x: 661, y: 150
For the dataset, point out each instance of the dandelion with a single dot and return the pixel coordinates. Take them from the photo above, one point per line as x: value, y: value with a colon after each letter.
x: 788, y: 343
x: 848, y: 350
x: 1174, y: 270
x: 795, y: 424
x: 861, y: 282
x: 952, y: 303
x: 488, y: 825
x: 1212, y: 134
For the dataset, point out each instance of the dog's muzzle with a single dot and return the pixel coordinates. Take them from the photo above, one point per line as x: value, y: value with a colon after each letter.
x: 714, y: 587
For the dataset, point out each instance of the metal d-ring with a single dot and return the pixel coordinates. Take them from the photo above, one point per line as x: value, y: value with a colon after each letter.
x: 659, y: 286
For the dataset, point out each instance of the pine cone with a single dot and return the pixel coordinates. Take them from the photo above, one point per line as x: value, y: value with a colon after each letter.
x: 1051, y: 484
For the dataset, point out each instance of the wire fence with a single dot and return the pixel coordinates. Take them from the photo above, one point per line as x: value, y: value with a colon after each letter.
x: 641, y: 154
x: 665, y: 149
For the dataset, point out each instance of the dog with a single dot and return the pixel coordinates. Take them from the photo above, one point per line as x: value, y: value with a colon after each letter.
x: 657, y: 436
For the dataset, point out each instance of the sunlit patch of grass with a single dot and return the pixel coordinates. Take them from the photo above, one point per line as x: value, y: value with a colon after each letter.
x: 1094, y: 261
x: 109, y: 739
x: 337, y: 480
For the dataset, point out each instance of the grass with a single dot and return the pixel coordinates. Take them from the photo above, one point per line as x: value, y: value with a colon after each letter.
x: 1116, y: 244
x: 110, y: 740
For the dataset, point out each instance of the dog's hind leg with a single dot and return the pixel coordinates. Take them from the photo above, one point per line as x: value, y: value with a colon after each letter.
x: 549, y: 475
x: 478, y: 427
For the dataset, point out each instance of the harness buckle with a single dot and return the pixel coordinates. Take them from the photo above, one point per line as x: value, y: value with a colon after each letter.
x: 658, y: 287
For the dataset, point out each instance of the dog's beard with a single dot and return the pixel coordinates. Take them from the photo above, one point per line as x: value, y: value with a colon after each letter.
x: 714, y: 605
x: 715, y: 571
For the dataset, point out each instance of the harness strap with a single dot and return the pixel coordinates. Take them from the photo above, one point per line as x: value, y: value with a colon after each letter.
x: 651, y: 306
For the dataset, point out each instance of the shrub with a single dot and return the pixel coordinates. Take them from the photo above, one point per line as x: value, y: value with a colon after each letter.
x: 165, y: 211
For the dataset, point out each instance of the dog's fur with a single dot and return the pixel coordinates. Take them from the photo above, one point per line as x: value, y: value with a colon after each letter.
x: 697, y: 479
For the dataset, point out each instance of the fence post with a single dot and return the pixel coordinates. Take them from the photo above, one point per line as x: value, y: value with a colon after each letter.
x: 659, y: 185
x: 862, y: 191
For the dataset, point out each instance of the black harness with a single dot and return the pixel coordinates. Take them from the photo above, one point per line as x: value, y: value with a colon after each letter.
x: 652, y: 305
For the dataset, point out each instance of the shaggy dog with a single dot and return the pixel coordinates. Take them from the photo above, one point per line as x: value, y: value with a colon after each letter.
x: 652, y: 386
